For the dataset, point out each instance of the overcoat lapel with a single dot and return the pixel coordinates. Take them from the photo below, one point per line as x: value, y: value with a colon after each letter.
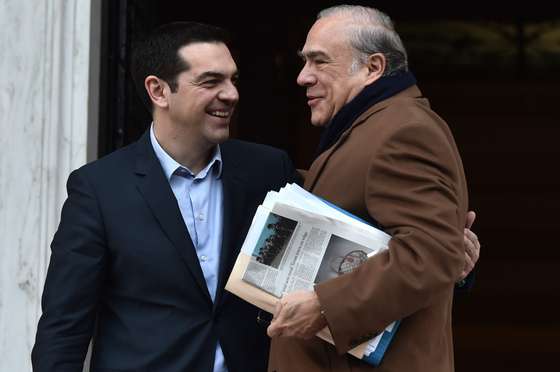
x: 319, y: 164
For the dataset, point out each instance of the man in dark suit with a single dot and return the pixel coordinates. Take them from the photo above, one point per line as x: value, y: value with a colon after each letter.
x: 149, y: 234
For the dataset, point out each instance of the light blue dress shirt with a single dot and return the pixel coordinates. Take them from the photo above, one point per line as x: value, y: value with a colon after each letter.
x: 200, y: 198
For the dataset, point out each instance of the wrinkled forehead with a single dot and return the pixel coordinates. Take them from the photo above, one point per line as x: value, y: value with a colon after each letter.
x: 329, y: 35
x: 332, y: 30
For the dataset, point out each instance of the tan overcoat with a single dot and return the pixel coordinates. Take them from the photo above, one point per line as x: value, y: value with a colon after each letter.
x: 399, y: 165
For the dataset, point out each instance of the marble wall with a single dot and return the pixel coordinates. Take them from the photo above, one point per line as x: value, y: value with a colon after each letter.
x: 45, y: 111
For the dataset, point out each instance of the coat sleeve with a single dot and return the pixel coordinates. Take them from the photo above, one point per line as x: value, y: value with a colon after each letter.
x: 289, y: 172
x: 302, y: 173
x: 74, y: 279
x: 413, y: 189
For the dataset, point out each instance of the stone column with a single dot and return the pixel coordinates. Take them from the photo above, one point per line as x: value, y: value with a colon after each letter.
x: 48, y: 105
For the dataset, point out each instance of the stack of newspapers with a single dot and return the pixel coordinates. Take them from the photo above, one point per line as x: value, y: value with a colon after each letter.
x: 297, y: 239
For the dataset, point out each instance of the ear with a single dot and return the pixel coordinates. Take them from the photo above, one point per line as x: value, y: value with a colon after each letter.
x: 157, y: 90
x: 376, y: 64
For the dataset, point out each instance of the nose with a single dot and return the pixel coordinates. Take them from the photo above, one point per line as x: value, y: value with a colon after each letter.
x: 229, y: 94
x: 306, y: 78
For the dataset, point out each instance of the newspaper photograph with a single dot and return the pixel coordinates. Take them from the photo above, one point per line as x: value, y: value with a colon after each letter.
x: 297, y: 240
x: 289, y: 256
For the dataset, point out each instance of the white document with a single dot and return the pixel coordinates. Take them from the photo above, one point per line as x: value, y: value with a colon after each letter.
x: 296, y: 240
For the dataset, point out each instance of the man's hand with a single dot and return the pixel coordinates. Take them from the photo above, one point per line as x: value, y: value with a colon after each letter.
x: 472, y: 246
x: 297, y: 314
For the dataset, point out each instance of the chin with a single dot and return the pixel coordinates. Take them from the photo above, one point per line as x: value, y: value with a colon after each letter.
x: 318, y: 123
x: 318, y: 120
x: 220, y: 136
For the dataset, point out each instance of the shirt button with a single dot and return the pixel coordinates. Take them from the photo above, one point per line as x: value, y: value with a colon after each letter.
x: 203, y: 258
x: 200, y: 217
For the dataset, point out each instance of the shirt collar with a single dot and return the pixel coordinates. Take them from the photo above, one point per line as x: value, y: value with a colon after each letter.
x: 169, y: 164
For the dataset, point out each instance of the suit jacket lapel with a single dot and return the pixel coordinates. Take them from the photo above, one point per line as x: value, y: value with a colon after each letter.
x: 235, y: 203
x: 157, y: 192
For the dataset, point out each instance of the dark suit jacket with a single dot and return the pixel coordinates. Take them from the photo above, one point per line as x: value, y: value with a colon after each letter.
x: 123, y: 267
x: 398, y: 165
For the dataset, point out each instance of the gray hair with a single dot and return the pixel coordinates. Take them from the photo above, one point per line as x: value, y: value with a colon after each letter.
x: 373, y: 32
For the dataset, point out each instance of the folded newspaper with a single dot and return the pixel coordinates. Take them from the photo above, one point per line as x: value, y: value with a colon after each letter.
x: 297, y: 239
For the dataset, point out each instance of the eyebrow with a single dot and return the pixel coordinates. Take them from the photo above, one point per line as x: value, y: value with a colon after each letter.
x: 312, y: 54
x: 215, y: 75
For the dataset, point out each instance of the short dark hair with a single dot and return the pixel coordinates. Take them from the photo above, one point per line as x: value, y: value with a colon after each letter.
x: 158, y: 53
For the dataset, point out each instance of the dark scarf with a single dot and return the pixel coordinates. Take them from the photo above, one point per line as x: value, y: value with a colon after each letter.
x: 385, y: 87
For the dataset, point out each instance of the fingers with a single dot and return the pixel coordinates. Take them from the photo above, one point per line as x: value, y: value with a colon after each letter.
x: 469, y: 243
x: 472, y: 245
x: 469, y: 265
x: 297, y: 314
x: 471, y: 216
x: 274, y: 328
x: 472, y: 252
x: 277, y: 309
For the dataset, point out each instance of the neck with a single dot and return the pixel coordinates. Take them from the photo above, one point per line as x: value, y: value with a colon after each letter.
x: 185, y: 148
x: 381, y: 89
